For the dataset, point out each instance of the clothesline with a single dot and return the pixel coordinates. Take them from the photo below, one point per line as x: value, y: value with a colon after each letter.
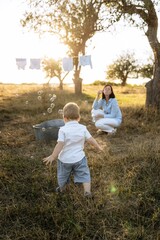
x: 67, y: 62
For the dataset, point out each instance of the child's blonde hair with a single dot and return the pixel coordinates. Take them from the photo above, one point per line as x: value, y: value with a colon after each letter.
x: 71, y: 111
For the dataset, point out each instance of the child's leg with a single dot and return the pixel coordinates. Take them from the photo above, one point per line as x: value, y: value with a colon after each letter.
x: 87, y: 188
x: 63, y: 175
x: 82, y: 175
x: 61, y: 189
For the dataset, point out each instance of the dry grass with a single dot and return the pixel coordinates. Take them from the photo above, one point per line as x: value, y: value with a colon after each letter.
x: 125, y: 177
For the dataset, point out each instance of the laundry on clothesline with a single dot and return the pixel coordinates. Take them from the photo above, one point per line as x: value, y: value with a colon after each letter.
x: 35, y: 63
x: 85, y: 60
x: 21, y: 63
x: 67, y: 64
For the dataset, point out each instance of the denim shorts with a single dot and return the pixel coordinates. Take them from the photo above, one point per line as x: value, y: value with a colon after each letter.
x: 80, y: 171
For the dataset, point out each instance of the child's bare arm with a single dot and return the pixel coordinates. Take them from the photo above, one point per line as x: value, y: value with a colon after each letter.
x: 93, y: 142
x: 54, y: 155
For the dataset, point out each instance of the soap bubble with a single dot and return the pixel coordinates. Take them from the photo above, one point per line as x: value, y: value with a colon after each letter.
x: 40, y: 92
x: 52, y: 105
x: 60, y: 111
x: 39, y: 98
x: 51, y: 99
x: 54, y: 96
x: 49, y: 110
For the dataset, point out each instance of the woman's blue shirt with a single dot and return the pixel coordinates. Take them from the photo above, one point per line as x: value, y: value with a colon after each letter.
x: 111, y: 108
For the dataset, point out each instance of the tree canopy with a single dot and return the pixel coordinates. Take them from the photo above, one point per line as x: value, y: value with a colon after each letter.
x: 144, y: 15
x: 75, y: 22
x: 53, y: 68
x: 122, y: 67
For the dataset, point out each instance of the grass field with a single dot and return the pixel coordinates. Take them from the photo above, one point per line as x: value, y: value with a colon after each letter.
x: 125, y: 176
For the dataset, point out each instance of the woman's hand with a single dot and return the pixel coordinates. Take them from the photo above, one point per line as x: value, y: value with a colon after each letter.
x: 99, y: 92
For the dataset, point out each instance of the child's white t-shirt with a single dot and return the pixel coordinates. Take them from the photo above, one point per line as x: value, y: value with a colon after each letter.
x: 74, y: 135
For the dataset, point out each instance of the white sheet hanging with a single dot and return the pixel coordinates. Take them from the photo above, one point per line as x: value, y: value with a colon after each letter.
x: 85, y: 60
x: 21, y: 63
x: 35, y: 63
x: 67, y: 64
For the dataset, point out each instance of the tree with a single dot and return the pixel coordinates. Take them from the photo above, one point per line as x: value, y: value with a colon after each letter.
x: 148, y: 22
x: 53, y: 68
x: 75, y: 22
x: 122, y: 67
x: 146, y: 71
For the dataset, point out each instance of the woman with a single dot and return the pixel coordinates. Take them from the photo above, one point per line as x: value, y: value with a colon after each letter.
x: 105, y: 111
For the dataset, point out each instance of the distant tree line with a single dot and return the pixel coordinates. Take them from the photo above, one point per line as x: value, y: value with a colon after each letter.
x: 126, y: 66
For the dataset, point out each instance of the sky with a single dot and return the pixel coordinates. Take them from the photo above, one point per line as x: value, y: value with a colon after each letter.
x: 16, y: 42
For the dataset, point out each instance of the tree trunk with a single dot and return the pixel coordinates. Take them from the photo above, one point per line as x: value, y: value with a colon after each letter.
x: 153, y: 87
x: 156, y: 82
x: 76, y: 79
x: 61, y: 85
x: 149, y: 97
x: 124, y: 80
x: 78, y: 86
